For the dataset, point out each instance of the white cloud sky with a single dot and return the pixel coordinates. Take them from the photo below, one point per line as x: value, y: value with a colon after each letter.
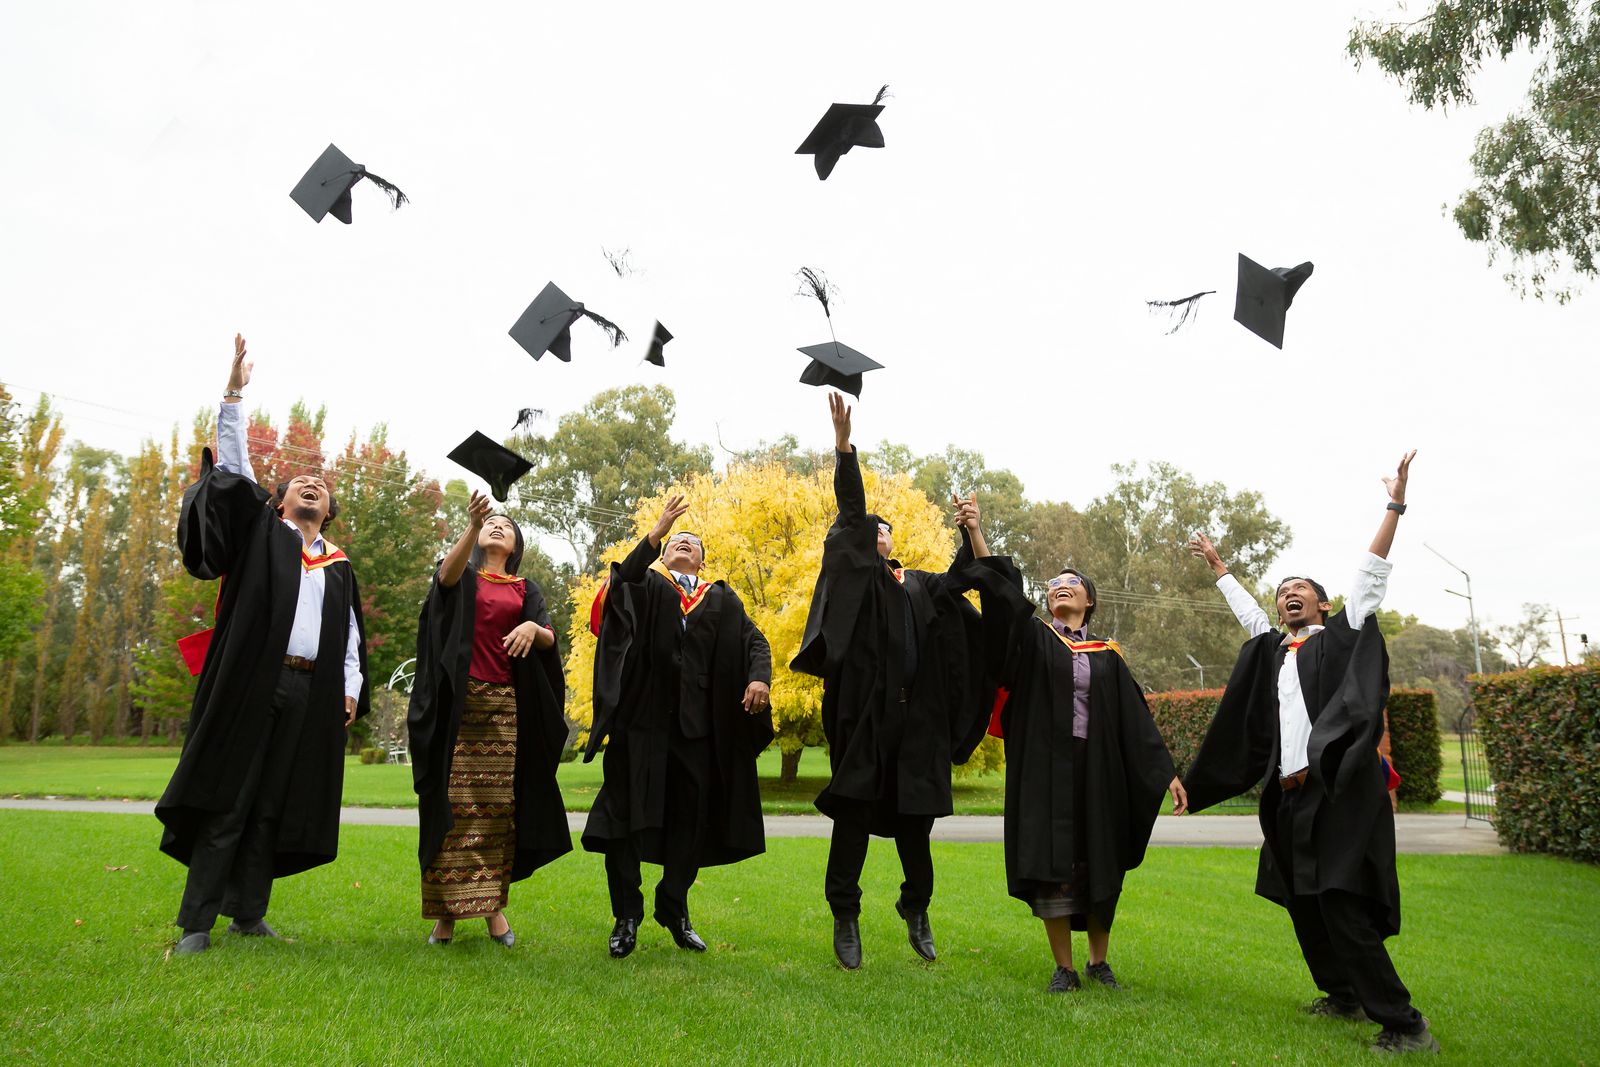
x: 1049, y: 167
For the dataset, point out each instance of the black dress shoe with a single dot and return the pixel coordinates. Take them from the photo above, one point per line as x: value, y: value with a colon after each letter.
x: 918, y: 932
x: 252, y: 928
x: 193, y: 943
x: 847, y: 943
x: 1101, y: 972
x: 624, y: 936
x: 1065, y: 980
x: 1393, y: 1042
x: 683, y: 935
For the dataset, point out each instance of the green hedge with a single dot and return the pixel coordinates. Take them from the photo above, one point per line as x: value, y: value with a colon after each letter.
x: 1541, y: 734
x: 1182, y: 717
x: 1414, y: 744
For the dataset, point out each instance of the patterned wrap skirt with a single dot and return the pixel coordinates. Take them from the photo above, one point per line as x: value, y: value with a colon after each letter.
x: 470, y: 875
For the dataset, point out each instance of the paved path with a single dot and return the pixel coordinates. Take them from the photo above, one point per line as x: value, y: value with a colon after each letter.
x: 1423, y: 834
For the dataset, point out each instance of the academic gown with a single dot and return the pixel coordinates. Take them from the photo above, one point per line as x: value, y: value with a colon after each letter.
x: 433, y: 721
x: 1128, y: 766
x: 1344, y: 834
x: 657, y: 670
x: 226, y: 528
x: 855, y: 641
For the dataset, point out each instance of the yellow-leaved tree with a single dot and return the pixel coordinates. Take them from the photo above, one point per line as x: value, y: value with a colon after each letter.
x: 763, y: 528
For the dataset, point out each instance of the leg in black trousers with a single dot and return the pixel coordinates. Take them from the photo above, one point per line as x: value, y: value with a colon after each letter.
x: 623, y: 879
x: 847, y: 854
x: 688, y: 768
x: 916, y: 861
x: 1357, y: 941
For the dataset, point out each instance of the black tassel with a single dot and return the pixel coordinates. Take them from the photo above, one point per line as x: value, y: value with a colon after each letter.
x: 613, y: 331
x: 526, y: 417
x: 619, y: 261
x: 1180, y: 310
x: 815, y: 284
x: 882, y: 93
x: 391, y: 190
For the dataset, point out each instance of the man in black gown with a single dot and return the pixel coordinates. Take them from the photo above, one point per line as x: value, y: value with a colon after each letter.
x: 1302, y: 716
x: 898, y: 654
x: 681, y: 677
x: 256, y: 791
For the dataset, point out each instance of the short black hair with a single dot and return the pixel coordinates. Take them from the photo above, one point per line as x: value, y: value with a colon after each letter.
x: 1322, y: 594
x: 277, y: 500
x: 1088, y: 587
x: 513, y: 561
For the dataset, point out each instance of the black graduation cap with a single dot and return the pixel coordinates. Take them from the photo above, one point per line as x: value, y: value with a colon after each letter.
x: 325, y: 189
x: 1265, y: 295
x: 658, y: 341
x: 543, y: 326
x: 491, y: 461
x: 837, y: 365
x: 845, y: 126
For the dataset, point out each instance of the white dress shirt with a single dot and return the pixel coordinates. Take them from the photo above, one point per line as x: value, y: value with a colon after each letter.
x: 305, y: 635
x: 1294, y: 722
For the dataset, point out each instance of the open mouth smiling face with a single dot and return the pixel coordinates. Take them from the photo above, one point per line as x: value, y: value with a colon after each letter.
x: 684, y: 551
x: 1298, y: 603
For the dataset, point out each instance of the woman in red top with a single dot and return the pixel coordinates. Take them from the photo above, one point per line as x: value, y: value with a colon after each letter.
x: 486, y: 728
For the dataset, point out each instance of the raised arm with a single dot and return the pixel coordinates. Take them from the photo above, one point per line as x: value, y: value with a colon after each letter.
x: 968, y: 519
x: 454, y: 563
x: 233, y: 443
x: 637, y: 563
x: 848, y: 492
x: 1244, y: 606
x: 1372, y: 576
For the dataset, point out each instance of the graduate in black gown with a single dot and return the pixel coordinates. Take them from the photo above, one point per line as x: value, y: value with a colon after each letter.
x: 682, y: 704
x: 255, y: 795
x: 1086, y: 767
x: 1302, y: 716
x: 487, y: 729
x: 899, y: 656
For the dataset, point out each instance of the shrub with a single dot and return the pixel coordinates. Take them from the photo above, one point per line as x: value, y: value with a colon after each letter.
x: 1414, y: 744
x: 1182, y: 718
x: 1541, y: 734
x: 373, y: 755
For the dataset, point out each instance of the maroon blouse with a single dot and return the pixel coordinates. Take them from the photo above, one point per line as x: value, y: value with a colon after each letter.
x: 499, y: 612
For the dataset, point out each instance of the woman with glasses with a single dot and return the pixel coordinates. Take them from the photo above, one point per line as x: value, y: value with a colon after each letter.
x: 486, y: 729
x: 1085, y: 764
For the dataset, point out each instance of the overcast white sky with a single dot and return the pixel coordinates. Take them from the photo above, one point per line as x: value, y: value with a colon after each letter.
x: 1049, y: 167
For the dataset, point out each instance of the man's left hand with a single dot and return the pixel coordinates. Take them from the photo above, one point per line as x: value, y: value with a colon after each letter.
x: 1397, y: 484
x: 757, y: 697
x: 349, y: 710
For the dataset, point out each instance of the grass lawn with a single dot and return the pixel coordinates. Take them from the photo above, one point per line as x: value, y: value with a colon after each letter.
x: 139, y: 773
x: 1497, y: 950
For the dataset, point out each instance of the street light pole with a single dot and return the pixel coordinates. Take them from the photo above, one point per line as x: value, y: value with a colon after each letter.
x: 1197, y: 667
x: 1472, y: 614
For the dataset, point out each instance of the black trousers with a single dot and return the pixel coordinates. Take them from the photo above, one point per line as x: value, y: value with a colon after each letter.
x: 230, y: 871
x: 683, y: 837
x: 847, y: 854
x: 1341, y: 940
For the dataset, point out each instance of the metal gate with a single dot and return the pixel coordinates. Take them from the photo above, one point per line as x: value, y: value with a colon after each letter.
x: 1477, y: 783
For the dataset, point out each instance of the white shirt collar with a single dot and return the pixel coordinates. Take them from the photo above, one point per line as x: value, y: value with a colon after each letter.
x: 678, y: 576
x: 316, y: 543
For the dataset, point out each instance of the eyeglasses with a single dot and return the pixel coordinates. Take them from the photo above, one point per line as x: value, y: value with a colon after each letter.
x: 884, y: 527
x: 689, y: 537
x: 1071, y: 580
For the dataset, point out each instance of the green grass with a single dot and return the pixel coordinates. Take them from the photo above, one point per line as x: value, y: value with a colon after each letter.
x: 119, y: 772
x: 1497, y: 950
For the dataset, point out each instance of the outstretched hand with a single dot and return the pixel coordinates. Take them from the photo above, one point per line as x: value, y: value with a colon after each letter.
x: 841, y: 421
x: 477, y: 511
x: 967, y: 513
x: 239, y: 372
x: 676, y: 506
x: 1397, y: 484
x: 1201, y: 547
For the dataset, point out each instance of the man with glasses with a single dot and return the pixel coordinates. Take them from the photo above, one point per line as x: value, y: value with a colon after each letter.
x: 899, y: 655
x: 682, y: 705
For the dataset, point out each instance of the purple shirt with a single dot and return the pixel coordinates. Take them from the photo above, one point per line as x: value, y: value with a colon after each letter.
x: 1080, y: 678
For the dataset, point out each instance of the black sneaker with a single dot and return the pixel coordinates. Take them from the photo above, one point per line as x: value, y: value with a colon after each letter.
x: 1065, y: 980
x: 1101, y: 972
x: 1331, y: 1008
x: 1394, y: 1043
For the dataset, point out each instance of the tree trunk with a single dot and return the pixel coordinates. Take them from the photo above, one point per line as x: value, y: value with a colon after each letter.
x: 791, y: 766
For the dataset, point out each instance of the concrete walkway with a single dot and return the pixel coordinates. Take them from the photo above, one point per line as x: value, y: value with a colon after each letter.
x: 1420, y: 834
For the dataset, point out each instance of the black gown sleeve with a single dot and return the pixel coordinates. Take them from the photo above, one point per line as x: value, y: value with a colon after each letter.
x: 214, y: 523
x: 848, y: 493
x: 757, y: 653
x: 637, y: 564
